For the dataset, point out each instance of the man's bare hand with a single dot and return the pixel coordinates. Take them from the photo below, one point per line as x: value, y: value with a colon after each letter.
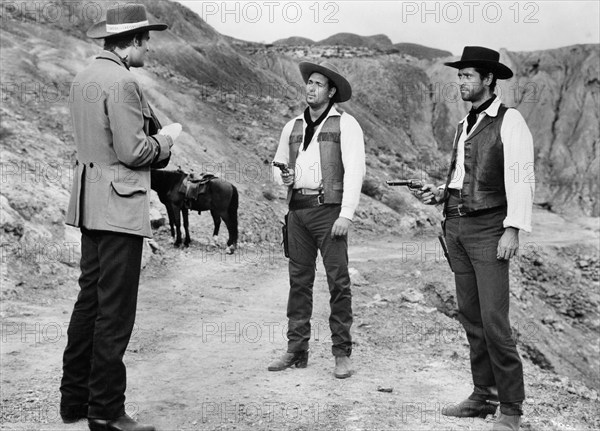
x: 429, y: 194
x: 340, y: 227
x: 508, y: 246
x: 288, y: 177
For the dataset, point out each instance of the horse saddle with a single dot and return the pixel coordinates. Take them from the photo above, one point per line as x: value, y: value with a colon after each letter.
x: 193, y: 186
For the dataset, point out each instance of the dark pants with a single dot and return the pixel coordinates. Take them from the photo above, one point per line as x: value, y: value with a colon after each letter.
x: 101, y: 323
x: 482, y: 292
x: 309, y: 230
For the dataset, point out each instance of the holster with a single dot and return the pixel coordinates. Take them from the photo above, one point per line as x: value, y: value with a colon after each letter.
x: 442, y: 240
x: 284, y: 232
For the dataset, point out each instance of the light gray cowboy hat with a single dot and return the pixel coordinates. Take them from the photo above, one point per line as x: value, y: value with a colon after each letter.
x: 123, y: 19
x: 478, y: 56
x: 344, y: 90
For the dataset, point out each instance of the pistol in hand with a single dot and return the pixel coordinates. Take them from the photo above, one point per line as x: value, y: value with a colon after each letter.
x: 282, y: 166
x: 411, y: 184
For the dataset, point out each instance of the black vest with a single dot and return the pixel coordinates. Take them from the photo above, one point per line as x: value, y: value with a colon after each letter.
x: 483, y: 185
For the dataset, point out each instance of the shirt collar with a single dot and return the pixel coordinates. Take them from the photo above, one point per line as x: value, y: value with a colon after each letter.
x: 491, y: 111
x: 109, y: 55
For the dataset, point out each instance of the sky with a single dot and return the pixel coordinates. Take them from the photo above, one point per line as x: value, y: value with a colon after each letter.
x: 448, y: 25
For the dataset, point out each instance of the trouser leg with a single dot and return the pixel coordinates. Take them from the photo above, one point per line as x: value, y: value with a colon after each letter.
x: 494, y: 299
x: 469, y: 311
x: 335, y: 259
x: 119, y: 259
x: 303, y: 254
x: 78, y: 352
x: 485, y: 314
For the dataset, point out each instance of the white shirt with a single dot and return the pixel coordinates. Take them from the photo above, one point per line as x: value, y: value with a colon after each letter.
x: 519, y: 178
x: 308, y: 172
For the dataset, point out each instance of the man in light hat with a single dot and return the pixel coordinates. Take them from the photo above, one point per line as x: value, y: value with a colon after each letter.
x: 118, y: 139
x: 324, y: 152
x: 487, y: 199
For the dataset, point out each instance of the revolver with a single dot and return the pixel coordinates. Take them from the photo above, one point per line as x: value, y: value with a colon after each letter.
x: 281, y: 166
x: 411, y: 184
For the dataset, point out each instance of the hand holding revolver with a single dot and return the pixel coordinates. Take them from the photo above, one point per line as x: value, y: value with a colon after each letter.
x: 287, y: 174
x: 427, y: 193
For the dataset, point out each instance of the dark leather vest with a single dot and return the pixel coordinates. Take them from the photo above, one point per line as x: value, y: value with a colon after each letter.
x: 332, y: 167
x: 483, y: 185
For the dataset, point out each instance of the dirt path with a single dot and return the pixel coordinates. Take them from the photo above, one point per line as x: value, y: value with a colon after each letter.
x: 208, y: 324
x: 213, y: 329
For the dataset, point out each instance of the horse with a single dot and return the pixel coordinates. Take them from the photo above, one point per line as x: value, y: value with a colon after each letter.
x: 221, y: 200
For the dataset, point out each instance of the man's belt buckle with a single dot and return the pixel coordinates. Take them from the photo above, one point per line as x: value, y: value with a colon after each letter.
x: 320, y: 199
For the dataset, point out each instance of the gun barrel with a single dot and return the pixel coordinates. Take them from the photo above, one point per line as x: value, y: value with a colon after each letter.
x: 412, y: 184
x: 398, y: 182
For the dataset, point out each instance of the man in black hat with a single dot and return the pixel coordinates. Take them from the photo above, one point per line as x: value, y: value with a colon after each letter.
x: 487, y: 199
x: 325, y: 154
x: 118, y: 139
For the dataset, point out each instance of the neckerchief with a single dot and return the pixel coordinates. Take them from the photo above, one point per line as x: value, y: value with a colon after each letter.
x: 312, y: 125
x: 473, y: 113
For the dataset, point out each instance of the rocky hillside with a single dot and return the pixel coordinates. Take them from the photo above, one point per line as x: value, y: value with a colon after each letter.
x: 233, y: 99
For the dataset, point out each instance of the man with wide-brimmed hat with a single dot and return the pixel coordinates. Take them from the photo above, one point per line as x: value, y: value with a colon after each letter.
x: 323, y: 150
x: 487, y: 199
x: 118, y: 139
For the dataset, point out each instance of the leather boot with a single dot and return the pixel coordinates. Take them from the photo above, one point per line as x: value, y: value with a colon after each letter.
x: 343, y: 367
x: 507, y: 423
x: 470, y: 409
x: 299, y: 359
x: 122, y: 423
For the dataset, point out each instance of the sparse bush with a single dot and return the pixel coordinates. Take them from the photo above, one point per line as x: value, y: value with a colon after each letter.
x: 371, y: 188
x: 5, y: 133
x: 397, y: 203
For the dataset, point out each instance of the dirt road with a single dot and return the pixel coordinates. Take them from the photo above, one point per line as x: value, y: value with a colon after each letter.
x: 209, y: 323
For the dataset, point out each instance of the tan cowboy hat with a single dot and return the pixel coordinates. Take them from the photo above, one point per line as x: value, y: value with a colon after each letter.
x: 478, y: 56
x: 123, y: 19
x: 344, y: 90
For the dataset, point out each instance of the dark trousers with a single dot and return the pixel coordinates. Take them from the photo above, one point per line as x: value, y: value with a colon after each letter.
x: 482, y: 291
x: 101, y: 323
x: 309, y: 230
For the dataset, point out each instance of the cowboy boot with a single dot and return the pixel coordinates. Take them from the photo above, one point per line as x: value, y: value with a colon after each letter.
x: 470, y: 409
x: 122, y: 423
x: 343, y: 367
x: 299, y: 359
x: 482, y: 402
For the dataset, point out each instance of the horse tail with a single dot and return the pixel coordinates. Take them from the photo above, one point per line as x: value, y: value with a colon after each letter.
x: 232, y: 212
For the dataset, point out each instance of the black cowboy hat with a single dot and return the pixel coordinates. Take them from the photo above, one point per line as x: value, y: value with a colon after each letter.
x: 123, y: 19
x: 344, y: 89
x: 478, y: 56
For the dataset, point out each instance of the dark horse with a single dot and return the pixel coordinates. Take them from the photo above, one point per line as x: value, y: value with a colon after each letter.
x: 221, y: 199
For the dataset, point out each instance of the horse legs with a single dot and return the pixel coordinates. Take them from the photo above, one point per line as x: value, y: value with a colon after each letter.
x: 171, y: 217
x: 231, y: 221
x: 177, y: 221
x: 187, y: 241
x: 232, y: 230
x: 217, y: 221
